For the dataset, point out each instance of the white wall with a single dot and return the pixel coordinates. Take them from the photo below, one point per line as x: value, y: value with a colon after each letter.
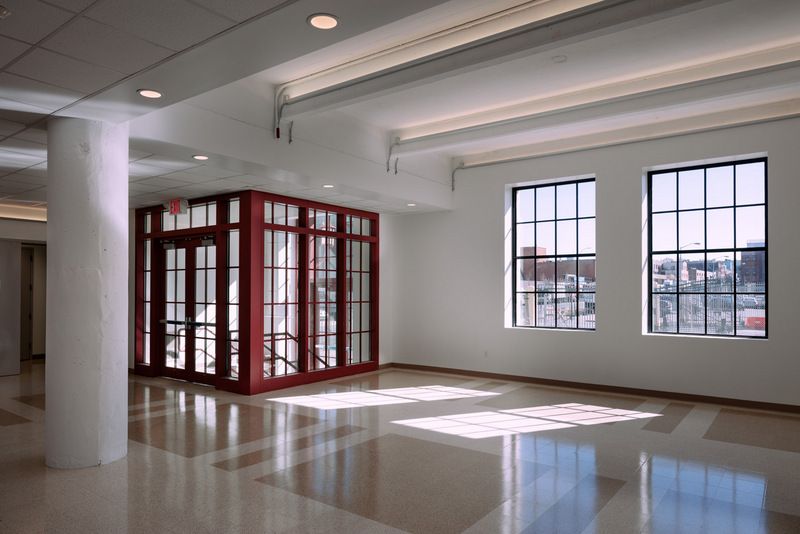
x: 10, y: 271
x: 448, y: 272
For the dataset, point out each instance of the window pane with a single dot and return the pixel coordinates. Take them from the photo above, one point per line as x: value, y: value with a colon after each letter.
x: 279, y: 213
x: 719, y: 186
x: 693, y: 273
x: 566, y: 274
x: 586, y: 310
x: 212, y: 213
x: 586, y: 236
x: 198, y: 215
x: 525, y: 205
x: 545, y: 203
x: 268, y: 212
x: 182, y: 221
x: 233, y: 211
x: 526, y: 308
x: 690, y: 189
x: 586, y: 199
x: 567, y: 311
x: 691, y: 230
x: 750, y: 227
x: 546, y: 275
x: 751, y: 272
x: 719, y: 272
x: 720, y: 314
x: 720, y: 228
x: 587, y: 280
x: 545, y: 238
x: 664, y: 229
x: 663, y: 191
x: 545, y: 310
x: 665, y: 315
x: 750, y: 183
x: 566, y: 236
x: 167, y: 222
x: 664, y: 272
x: 526, y: 275
x: 525, y: 240
x: 751, y: 318
x: 566, y: 199
x: 692, y: 311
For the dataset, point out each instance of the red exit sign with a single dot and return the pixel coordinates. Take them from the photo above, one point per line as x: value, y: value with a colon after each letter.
x: 178, y: 205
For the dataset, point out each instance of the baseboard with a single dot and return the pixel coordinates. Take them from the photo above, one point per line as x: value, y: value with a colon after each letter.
x: 671, y: 395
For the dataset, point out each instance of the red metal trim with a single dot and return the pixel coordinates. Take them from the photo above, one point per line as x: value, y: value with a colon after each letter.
x: 138, y: 317
x: 341, y: 297
x: 251, y: 305
x: 374, y: 292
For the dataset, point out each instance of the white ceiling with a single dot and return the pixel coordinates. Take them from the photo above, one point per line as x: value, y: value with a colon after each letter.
x: 219, y: 63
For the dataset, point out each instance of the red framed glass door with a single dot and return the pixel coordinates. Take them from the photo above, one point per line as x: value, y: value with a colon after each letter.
x: 189, y: 310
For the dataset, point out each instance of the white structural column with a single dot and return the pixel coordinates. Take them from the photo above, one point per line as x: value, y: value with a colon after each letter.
x: 86, y: 418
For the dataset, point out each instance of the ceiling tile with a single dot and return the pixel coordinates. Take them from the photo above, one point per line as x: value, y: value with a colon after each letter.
x: 72, y: 5
x: 63, y: 71
x: 14, y: 188
x: 32, y: 96
x: 21, y: 117
x: 32, y: 195
x: 39, y: 170
x: 26, y: 179
x: 190, y: 178
x: 9, y: 49
x: 14, y: 161
x: 20, y: 146
x: 31, y: 20
x: 103, y: 45
x: 168, y: 164
x: 162, y: 182
x: 9, y: 127
x: 176, y: 24
x: 211, y: 172
x: 239, y: 10
x: 36, y: 135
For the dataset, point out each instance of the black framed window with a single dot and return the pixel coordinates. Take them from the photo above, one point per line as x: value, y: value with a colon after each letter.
x: 708, y: 249
x: 553, y: 240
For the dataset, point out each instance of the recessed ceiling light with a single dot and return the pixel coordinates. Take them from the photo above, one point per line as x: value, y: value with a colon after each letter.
x: 149, y: 93
x: 328, y: 186
x: 4, y: 12
x: 200, y: 157
x: 323, y: 21
x: 559, y: 59
x: 410, y: 204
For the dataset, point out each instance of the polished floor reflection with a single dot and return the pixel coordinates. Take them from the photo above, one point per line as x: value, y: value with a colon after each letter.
x: 373, y: 453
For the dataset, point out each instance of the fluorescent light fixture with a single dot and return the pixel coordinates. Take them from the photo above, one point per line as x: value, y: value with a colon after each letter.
x: 149, y: 93
x: 323, y: 21
x: 328, y: 186
x: 200, y: 157
x: 411, y: 205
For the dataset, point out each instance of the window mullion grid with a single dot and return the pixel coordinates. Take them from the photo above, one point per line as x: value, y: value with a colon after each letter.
x: 577, y: 263
x: 735, y: 250
x: 705, y: 253
x: 535, y: 259
x: 514, y: 260
x: 678, y: 255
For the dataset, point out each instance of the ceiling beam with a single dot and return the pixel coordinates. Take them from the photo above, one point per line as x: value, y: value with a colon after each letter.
x: 578, y: 25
